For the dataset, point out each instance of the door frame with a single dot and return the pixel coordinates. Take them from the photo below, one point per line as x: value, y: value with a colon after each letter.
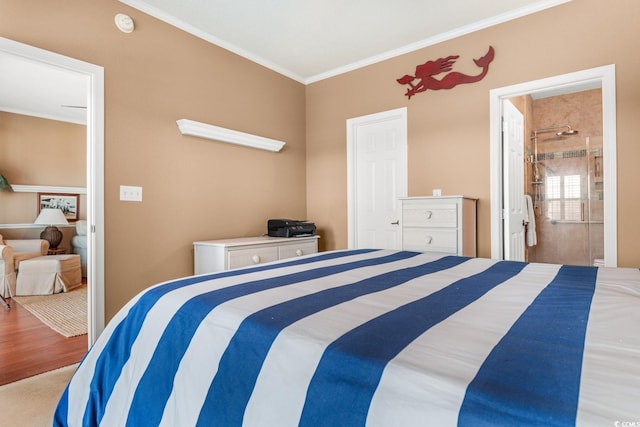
x: 352, y: 130
x: 602, y: 77
x: 95, y: 171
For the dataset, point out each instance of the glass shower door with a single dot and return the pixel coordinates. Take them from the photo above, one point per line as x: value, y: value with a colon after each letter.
x: 570, y: 224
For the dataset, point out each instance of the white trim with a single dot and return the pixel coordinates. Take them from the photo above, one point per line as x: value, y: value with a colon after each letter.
x: 44, y: 116
x: 606, y: 76
x: 95, y: 201
x: 352, y: 126
x: 217, y: 133
x: 449, y: 35
x: 95, y: 169
x: 47, y: 189
x: 145, y: 7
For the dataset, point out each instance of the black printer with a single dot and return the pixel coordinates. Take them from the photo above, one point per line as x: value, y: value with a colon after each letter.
x: 290, y: 228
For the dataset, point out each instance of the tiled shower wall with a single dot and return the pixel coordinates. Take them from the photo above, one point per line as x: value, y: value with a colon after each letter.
x: 569, y: 197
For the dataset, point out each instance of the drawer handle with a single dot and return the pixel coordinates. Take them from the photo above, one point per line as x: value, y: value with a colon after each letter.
x: 429, y: 239
x: 256, y: 259
x: 299, y: 252
x: 429, y: 214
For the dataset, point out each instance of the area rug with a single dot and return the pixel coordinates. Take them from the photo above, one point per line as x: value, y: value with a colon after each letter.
x: 31, y: 401
x: 65, y: 313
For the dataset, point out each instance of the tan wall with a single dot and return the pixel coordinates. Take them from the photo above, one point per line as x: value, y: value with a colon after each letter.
x: 192, y: 188
x: 449, y: 129
x: 36, y: 151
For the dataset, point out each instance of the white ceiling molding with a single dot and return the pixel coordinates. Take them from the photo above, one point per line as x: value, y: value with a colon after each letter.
x: 217, y: 133
x: 438, y: 38
x: 317, y: 39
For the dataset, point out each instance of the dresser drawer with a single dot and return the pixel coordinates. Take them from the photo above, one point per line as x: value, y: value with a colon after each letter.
x: 224, y: 254
x: 424, y: 214
x: 251, y: 256
x: 290, y: 251
x: 430, y: 240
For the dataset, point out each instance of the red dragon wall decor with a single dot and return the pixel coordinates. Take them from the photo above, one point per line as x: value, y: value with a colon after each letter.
x: 425, y: 74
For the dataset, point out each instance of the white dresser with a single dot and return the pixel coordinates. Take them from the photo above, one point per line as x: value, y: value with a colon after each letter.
x: 219, y: 255
x: 443, y: 224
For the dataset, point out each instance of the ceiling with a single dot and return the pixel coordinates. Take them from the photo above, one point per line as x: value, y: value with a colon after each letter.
x: 309, y: 40
x: 35, y: 89
x: 306, y: 40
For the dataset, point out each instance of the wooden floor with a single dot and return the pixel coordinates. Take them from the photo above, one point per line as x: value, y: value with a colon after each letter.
x: 29, y: 347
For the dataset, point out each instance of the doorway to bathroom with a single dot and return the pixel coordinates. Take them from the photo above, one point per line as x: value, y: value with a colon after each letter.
x: 563, y: 177
x: 568, y: 165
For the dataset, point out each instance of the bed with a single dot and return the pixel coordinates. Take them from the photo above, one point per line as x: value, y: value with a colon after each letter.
x: 370, y: 337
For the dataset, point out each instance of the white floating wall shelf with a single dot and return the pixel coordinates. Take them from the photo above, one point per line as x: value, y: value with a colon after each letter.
x: 216, y: 133
x: 47, y: 189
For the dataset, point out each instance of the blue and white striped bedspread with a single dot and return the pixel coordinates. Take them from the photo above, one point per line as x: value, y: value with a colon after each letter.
x: 369, y: 337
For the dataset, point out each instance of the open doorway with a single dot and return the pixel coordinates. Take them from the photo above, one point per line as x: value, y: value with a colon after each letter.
x: 93, y: 77
x: 563, y: 177
x: 573, y: 211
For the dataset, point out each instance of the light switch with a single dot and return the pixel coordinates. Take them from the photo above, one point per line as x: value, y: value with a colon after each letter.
x: 437, y: 192
x: 129, y: 193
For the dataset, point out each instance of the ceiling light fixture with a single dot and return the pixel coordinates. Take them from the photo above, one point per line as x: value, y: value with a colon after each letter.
x: 124, y: 23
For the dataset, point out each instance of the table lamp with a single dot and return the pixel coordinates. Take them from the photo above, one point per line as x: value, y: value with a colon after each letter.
x: 51, y: 217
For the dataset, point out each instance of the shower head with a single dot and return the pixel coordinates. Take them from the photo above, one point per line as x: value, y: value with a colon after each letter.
x: 564, y: 130
x: 567, y: 132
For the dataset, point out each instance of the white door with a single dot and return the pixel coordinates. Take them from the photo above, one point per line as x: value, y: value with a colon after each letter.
x: 377, y: 175
x: 514, y: 209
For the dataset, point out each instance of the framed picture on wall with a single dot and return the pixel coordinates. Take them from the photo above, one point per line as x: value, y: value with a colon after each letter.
x: 69, y: 204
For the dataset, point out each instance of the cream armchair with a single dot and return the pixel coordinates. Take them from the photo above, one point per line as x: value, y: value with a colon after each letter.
x: 14, y: 251
x: 26, y: 249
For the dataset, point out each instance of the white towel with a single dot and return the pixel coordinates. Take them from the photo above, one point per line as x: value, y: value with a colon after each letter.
x: 530, y: 218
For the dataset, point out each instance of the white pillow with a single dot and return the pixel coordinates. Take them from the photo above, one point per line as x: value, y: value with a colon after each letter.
x: 81, y: 227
